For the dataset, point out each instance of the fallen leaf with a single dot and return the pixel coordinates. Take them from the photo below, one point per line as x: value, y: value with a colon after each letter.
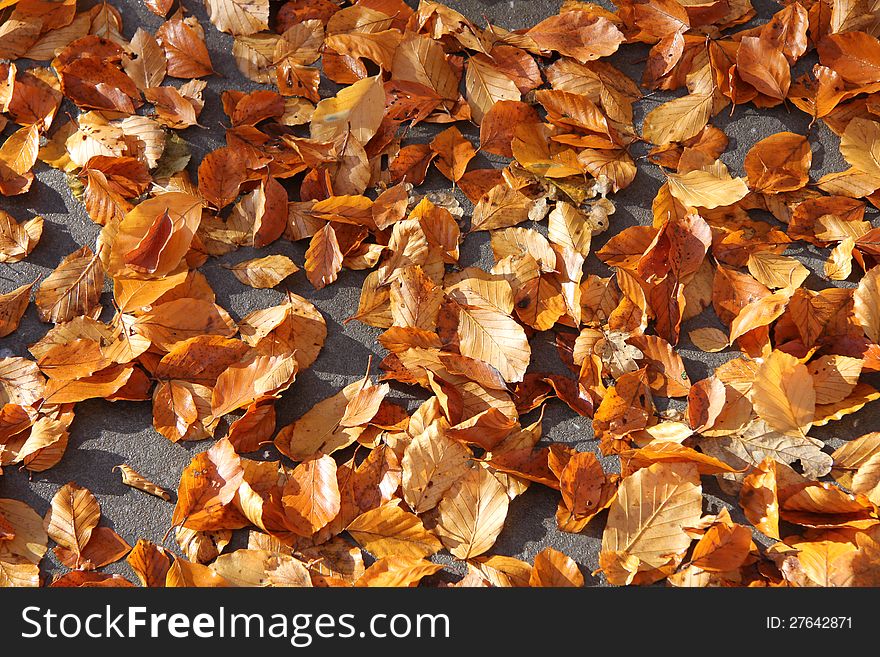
x: 131, y: 477
x: 649, y: 514
x: 264, y: 272
x: 472, y: 514
x: 784, y: 395
x: 554, y: 569
x: 390, y: 531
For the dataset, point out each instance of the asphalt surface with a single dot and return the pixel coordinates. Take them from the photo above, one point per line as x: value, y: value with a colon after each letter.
x: 106, y: 434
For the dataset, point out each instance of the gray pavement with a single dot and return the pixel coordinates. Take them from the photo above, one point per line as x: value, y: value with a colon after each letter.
x: 105, y: 434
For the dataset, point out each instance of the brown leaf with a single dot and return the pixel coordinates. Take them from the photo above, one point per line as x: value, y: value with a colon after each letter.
x: 131, y: 477
x: 453, y: 153
x: 183, y: 40
x: 169, y: 323
x: 779, y: 163
x: 578, y: 35
x: 764, y: 67
x: 853, y: 55
x: 311, y: 496
x: 104, y: 547
x: 207, y: 486
x: 581, y: 483
x: 323, y: 258
x: 390, y: 531
x: 12, y: 307
x: 150, y: 563
x: 18, y: 240
x: 722, y: 548
x: 554, y: 569
x: 73, y: 289
x: 251, y: 379
x: 220, y: 176
x: 72, y: 518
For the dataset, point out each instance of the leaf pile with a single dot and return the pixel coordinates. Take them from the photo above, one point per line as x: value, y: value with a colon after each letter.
x: 368, y: 490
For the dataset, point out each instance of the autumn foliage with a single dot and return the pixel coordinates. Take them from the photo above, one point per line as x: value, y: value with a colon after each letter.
x: 366, y: 490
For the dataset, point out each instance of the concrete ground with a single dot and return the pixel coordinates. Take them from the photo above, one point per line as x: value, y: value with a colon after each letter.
x: 106, y: 434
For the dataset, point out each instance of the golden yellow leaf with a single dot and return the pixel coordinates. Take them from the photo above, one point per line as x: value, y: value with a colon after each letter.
x: 838, y: 267
x: 364, y: 403
x: 501, y: 207
x: 261, y: 568
x: 18, y: 240
x: 866, y: 480
x: 397, y: 572
x: 860, y: 145
x: 850, y: 456
x: 867, y: 303
x: 834, y: 377
x: 486, y: 85
x: 649, y: 514
x: 472, y: 514
x: 390, y: 531
x: 818, y: 559
x: 678, y: 119
x: 705, y: 189
x: 783, y: 394
x: 862, y: 394
x: 431, y: 464
x: 264, y: 272
x: 17, y: 571
x: 415, y: 299
x: 421, y: 59
x: 485, y: 329
x: 356, y: 110
x: 29, y: 540
x: 320, y: 430
x: 188, y: 574
x: 311, y: 495
x: 239, y: 17
x: 777, y: 271
x: 758, y: 313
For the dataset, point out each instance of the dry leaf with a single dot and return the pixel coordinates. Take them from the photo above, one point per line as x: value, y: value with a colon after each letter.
x: 783, y: 394
x: 390, y: 531
x: 264, y: 272
x: 131, y: 477
x: 648, y: 517
x: 12, y: 307
x: 472, y: 514
x: 554, y: 569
